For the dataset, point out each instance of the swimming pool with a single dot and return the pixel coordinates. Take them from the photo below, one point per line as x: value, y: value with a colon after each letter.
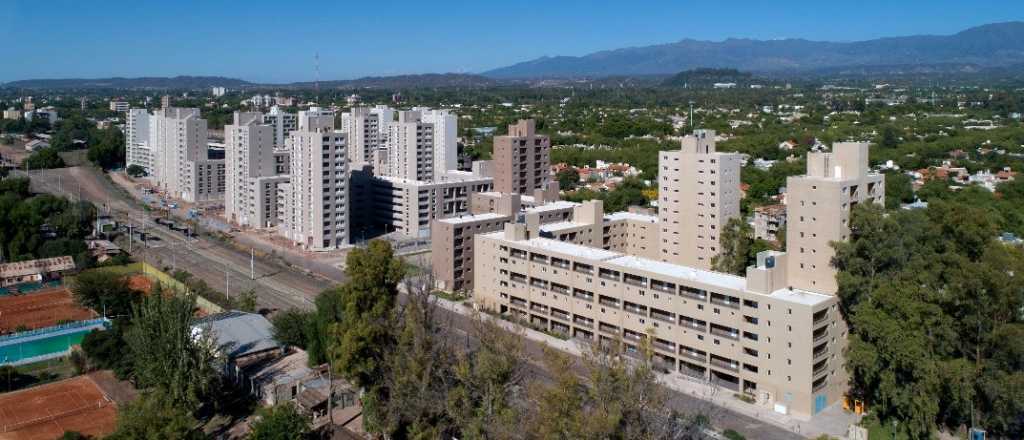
x: 46, y: 343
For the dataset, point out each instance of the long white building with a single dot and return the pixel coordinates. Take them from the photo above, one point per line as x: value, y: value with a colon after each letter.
x: 136, y: 139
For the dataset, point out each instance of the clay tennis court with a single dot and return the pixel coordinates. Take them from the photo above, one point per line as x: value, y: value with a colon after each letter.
x: 47, y: 411
x: 40, y: 309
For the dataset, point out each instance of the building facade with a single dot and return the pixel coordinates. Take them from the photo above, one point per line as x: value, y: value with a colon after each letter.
x: 769, y: 222
x: 136, y: 139
x: 367, y: 130
x: 698, y: 192
x: 522, y: 159
x: 182, y: 166
x: 254, y: 170
x: 314, y: 204
x: 776, y: 334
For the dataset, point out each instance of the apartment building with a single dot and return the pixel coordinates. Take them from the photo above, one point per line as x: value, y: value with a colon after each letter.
x: 119, y: 106
x: 769, y: 222
x: 136, y: 140
x: 775, y: 334
x: 446, y: 132
x: 409, y: 153
x: 367, y: 130
x: 698, y: 192
x: 818, y: 209
x: 522, y: 159
x: 282, y: 123
x: 254, y: 170
x: 408, y: 206
x: 314, y: 204
x: 182, y: 166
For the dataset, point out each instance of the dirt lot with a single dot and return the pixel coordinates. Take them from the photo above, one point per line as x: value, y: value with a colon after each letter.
x: 40, y: 309
x: 47, y: 411
x: 14, y: 153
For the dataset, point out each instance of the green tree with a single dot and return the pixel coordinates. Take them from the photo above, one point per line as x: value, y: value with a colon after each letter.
x: 735, y: 248
x: 280, y: 422
x: 45, y: 158
x: 107, y: 149
x: 488, y: 378
x: 167, y: 355
x: 361, y: 339
x: 889, y: 137
x: 135, y: 170
x: 898, y: 190
x: 568, y: 179
x: 104, y: 291
x: 292, y: 326
x: 153, y: 416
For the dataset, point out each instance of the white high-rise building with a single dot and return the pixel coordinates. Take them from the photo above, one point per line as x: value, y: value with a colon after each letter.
x: 367, y: 130
x: 282, y: 122
x: 254, y: 171
x: 315, y: 203
x: 410, y: 149
x: 446, y: 132
x: 218, y: 91
x: 181, y: 164
x: 136, y: 139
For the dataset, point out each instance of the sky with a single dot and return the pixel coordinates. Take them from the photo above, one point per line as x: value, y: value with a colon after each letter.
x: 276, y: 41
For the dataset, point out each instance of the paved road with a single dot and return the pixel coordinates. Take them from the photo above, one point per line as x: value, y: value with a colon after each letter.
x: 282, y: 286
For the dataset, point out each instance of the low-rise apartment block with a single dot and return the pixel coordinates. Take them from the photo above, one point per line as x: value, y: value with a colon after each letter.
x: 775, y: 334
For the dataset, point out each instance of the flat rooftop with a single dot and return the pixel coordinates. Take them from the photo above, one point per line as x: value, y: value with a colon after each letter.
x: 800, y: 296
x: 561, y: 204
x: 626, y: 215
x: 473, y: 218
x: 685, y: 272
x: 561, y: 226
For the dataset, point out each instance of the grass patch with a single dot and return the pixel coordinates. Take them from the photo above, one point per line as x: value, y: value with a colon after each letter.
x: 451, y: 296
x: 744, y: 397
x: 883, y: 430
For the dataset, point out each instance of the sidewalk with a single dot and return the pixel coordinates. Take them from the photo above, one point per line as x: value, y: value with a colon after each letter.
x: 833, y: 421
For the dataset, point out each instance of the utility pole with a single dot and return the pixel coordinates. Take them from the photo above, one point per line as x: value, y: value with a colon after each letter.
x: 252, y: 263
x: 227, y: 283
x: 691, y: 114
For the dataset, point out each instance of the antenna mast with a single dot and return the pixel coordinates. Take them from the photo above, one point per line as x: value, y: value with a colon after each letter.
x: 317, y: 85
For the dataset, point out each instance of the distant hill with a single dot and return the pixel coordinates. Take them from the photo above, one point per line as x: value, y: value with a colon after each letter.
x: 706, y: 77
x: 429, y: 80
x: 177, y: 82
x: 990, y: 45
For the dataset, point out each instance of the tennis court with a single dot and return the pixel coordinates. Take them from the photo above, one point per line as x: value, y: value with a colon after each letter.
x: 40, y: 309
x: 47, y: 411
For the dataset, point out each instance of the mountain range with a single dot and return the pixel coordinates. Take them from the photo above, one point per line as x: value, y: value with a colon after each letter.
x: 991, y: 45
x: 205, y: 82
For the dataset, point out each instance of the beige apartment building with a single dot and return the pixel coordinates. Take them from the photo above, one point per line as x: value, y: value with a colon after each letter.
x: 775, y: 334
x: 698, y: 192
x: 521, y: 159
x: 818, y: 211
x: 367, y: 130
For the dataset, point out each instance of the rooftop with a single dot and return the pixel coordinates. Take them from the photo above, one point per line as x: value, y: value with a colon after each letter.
x: 560, y: 226
x: 239, y: 333
x: 473, y: 218
x: 800, y: 296
x: 561, y: 204
x: 626, y: 215
x: 677, y: 271
x: 34, y: 267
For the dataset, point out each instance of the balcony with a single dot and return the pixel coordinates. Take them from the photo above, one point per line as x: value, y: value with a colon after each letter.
x: 539, y: 308
x: 662, y: 286
x: 695, y: 324
x: 560, y: 263
x: 696, y: 355
x: 632, y: 336
x: 608, y: 328
x: 820, y: 317
x: 819, y: 368
x: 583, y: 268
x: 689, y: 292
x: 727, y: 301
x: 663, y: 316
x: 608, y: 275
x: 725, y: 364
x: 583, y: 322
x: 583, y: 294
x: 663, y: 345
x: 555, y: 313
x: 518, y: 302
x: 633, y: 308
x: 634, y: 280
x: 725, y: 332
x: 818, y: 385
x: 819, y: 351
x: 610, y: 302
x: 820, y: 335
x: 558, y: 288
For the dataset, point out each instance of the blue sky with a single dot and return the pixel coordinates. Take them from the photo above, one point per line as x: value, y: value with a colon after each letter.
x: 275, y: 41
